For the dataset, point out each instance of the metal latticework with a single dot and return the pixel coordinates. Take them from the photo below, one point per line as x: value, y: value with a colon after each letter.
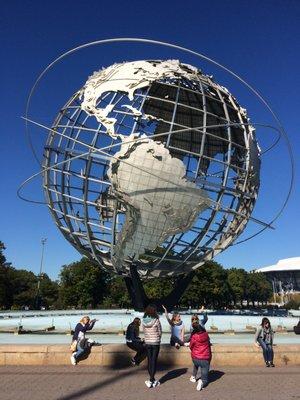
x: 200, y: 123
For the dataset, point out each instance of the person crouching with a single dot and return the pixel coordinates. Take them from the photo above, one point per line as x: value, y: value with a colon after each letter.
x: 134, y: 342
x: 79, y: 340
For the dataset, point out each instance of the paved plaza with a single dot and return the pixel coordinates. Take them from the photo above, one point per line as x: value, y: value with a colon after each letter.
x: 84, y: 382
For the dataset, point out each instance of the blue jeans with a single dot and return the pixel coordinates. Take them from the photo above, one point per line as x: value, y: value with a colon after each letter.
x: 267, y: 350
x: 204, y: 366
x: 79, y: 351
x: 174, y: 340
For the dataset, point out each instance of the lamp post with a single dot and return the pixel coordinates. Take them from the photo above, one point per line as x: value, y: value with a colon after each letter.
x: 38, y: 298
x: 274, y: 290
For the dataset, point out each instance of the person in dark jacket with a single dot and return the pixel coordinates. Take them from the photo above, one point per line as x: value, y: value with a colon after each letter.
x: 264, y: 336
x: 201, y: 353
x: 297, y: 328
x: 84, y: 325
x: 134, y: 342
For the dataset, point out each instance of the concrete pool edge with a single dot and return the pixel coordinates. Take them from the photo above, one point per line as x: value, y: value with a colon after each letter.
x: 116, y: 355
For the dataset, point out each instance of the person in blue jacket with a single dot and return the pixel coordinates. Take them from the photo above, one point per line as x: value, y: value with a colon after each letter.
x: 85, y: 324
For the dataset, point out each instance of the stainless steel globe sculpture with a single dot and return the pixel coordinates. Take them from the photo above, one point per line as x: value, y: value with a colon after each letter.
x: 151, y: 164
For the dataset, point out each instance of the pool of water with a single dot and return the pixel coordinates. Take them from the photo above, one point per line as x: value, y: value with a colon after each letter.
x: 117, y: 320
x: 289, y: 338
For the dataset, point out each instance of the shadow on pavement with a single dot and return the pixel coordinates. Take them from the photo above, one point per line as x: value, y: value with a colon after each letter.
x: 96, y: 386
x: 120, y: 361
x: 176, y: 373
x: 214, y: 375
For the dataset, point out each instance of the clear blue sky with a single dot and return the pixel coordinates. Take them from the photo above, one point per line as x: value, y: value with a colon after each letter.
x: 258, y: 39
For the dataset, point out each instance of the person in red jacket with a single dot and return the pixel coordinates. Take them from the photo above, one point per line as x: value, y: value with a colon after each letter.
x: 201, y: 353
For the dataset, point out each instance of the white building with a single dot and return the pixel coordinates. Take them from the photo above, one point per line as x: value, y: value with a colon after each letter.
x: 284, y: 276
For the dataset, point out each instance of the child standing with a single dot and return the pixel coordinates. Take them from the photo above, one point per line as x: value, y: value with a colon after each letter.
x: 201, y: 353
x: 201, y: 321
x: 202, y: 318
x: 177, y: 329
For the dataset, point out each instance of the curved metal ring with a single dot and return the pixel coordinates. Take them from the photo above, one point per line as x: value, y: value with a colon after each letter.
x: 24, y: 183
x: 202, y: 56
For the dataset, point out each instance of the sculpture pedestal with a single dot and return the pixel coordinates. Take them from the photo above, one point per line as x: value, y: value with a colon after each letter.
x: 139, y: 298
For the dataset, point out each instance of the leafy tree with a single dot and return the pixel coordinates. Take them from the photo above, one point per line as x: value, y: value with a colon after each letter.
x: 6, y: 290
x: 117, y: 294
x: 158, y: 287
x: 6, y: 293
x: 294, y: 302
x: 82, y: 284
x: 258, y: 288
x: 17, y: 286
x: 49, y: 291
x: 24, y: 285
x: 237, y: 281
x: 209, y: 286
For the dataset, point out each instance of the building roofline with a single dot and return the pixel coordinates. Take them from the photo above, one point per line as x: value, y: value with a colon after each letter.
x: 287, y: 264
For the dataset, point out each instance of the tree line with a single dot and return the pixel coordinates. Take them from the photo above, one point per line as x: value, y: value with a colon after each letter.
x: 83, y: 284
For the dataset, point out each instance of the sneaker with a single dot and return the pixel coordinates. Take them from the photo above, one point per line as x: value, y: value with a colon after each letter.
x: 187, y: 344
x: 73, y: 359
x: 199, y: 385
x: 193, y: 379
x: 267, y: 364
x: 177, y: 345
x: 133, y: 363
x: 272, y: 364
x: 155, y: 384
x: 148, y: 384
